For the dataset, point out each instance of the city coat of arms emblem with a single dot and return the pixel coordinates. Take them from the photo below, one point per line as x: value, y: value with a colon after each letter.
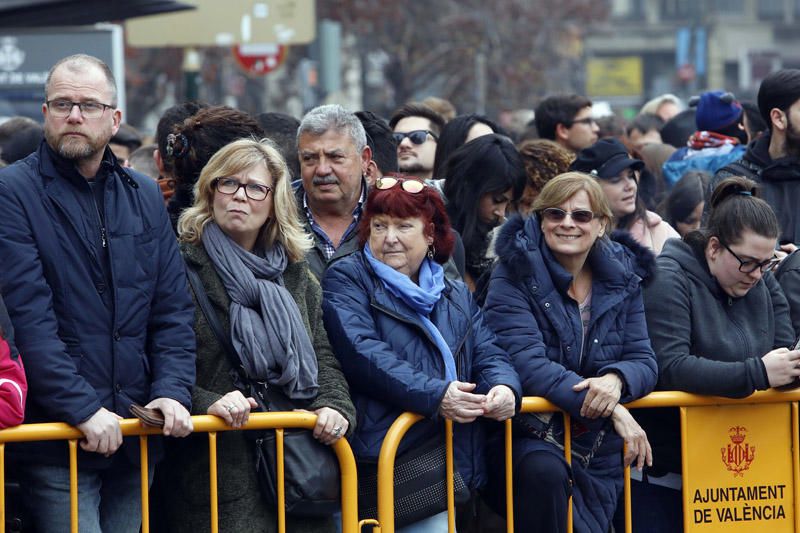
x: 738, y: 455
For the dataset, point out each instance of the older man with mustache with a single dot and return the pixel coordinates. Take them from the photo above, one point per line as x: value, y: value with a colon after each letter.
x: 334, y: 155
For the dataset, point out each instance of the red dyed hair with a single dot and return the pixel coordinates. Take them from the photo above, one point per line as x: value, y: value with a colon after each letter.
x: 426, y: 205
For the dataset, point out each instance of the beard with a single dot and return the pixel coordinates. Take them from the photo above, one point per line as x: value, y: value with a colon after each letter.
x: 792, y: 138
x: 413, y: 168
x: 76, y: 148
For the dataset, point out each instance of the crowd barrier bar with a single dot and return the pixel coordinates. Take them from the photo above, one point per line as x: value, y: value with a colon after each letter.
x: 532, y: 404
x: 202, y: 424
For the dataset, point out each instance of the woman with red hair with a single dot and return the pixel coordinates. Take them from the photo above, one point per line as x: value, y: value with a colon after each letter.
x: 410, y: 340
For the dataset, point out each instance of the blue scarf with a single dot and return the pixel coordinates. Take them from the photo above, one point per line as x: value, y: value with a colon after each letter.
x: 421, y: 298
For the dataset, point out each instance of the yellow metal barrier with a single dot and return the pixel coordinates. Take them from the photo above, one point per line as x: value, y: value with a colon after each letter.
x: 202, y: 424
x: 540, y: 405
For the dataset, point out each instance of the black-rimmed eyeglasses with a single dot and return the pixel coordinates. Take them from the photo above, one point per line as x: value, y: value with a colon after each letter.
x: 62, y: 108
x: 254, y: 191
x: 416, y: 136
x: 588, y: 121
x: 748, y: 267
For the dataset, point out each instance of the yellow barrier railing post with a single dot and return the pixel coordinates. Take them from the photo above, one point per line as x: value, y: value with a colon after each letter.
x: 212, y: 480
x: 451, y: 504
x: 626, y: 494
x: 386, y: 459
x: 509, y: 478
x: 349, y: 474
x: 73, y: 485
x: 568, y: 454
x: 145, y: 482
x: 281, y: 487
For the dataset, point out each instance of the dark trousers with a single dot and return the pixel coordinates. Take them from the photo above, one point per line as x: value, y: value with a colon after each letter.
x: 541, y: 493
x: 654, y: 509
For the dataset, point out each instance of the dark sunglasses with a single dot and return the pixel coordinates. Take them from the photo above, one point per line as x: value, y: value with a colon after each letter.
x: 747, y: 267
x: 416, y: 136
x: 579, y: 216
x: 412, y: 186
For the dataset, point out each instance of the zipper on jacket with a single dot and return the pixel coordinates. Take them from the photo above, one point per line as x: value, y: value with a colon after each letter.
x: 100, y: 223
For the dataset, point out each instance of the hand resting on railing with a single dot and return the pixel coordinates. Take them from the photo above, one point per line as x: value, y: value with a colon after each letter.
x: 604, y: 393
x: 637, y: 447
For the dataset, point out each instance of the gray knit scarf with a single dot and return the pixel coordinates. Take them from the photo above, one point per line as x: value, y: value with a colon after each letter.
x: 266, y: 327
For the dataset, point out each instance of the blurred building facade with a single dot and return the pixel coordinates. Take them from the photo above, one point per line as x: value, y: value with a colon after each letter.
x: 651, y: 47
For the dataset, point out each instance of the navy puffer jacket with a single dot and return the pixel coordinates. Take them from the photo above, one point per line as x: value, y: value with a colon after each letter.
x: 393, y: 366
x: 540, y: 327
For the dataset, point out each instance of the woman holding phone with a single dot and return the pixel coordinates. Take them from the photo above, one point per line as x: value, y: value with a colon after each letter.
x: 720, y: 325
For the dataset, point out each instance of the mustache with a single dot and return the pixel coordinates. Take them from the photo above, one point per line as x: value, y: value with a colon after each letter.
x: 330, y: 179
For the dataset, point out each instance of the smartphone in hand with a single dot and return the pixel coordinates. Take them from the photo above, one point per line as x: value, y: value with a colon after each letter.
x: 795, y: 383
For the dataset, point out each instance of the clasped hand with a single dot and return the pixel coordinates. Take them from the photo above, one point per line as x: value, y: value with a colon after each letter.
x: 461, y: 405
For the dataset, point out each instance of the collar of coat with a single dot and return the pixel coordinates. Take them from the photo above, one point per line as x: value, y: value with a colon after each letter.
x: 615, y: 262
x: 52, y: 165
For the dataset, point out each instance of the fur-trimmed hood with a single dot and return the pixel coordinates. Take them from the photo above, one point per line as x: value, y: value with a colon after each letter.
x: 520, y: 247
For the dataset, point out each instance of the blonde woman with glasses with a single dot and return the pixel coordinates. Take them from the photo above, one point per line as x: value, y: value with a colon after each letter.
x: 243, y: 240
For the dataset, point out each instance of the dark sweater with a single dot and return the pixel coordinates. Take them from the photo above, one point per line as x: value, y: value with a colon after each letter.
x: 706, y: 342
x: 185, y: 475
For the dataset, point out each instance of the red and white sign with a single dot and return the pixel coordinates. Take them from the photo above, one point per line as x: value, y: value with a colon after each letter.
x: 259, y: 59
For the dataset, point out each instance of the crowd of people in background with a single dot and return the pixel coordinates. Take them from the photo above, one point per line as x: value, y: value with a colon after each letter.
x: 364, y: 266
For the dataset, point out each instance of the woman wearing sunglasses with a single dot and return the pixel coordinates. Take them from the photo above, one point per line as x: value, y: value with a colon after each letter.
x: 608, y: 161
x: 411, y: 340
x: 565, y: 301
x: 719, y: 323
x: 243, y: 240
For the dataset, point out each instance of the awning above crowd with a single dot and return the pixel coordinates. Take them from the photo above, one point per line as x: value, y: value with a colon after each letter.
x: 38, y: 13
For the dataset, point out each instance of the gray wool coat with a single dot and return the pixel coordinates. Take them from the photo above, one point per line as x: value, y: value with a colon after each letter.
x: 183, y: 477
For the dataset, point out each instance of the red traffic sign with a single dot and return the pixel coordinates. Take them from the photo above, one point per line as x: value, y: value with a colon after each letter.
x: 686, y: 72
x: 259, y: 58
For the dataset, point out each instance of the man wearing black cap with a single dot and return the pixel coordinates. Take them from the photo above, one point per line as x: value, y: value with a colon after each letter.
x: 773, y: 159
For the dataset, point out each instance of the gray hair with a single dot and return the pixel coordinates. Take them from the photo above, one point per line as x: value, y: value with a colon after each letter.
x: 332, y: 117
x: 79, y: 63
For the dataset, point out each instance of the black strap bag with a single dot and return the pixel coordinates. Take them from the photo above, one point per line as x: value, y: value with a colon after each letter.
x: 420, y: 484
x: 311, y: 469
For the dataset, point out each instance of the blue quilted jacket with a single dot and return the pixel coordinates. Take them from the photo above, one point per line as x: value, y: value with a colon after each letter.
x: 540, y: 326
x: 392, y: 365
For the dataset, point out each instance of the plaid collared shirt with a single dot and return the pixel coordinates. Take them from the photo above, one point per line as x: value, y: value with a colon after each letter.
x: 327, y: 245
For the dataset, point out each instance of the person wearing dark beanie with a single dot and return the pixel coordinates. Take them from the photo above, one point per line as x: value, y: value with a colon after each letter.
x: 719, y: 140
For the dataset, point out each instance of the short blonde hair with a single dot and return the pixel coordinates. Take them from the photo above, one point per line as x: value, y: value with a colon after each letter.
x: 564, y: 186
x: 283, y: 226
